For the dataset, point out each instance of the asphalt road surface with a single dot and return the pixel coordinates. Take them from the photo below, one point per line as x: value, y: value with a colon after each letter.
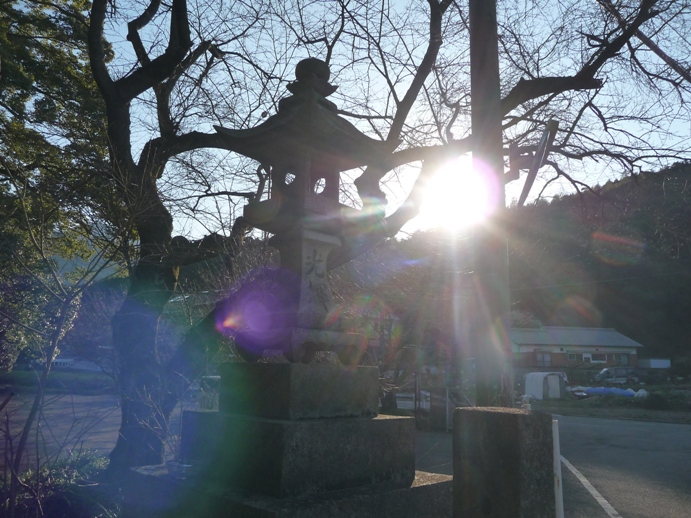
x: 641, y: 469
x: 635, y: 469
x: 68, y: 423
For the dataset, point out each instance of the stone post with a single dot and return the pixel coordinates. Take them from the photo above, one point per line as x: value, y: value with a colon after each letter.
x: 502, y: 463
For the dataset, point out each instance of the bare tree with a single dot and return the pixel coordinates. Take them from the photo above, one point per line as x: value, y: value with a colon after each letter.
x: 403, y: 68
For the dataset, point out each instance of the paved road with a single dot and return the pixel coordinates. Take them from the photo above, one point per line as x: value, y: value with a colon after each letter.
x: 68, y: 423
x: 643, y: 470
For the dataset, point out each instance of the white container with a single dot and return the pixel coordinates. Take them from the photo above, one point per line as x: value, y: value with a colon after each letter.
x: 655, y: 363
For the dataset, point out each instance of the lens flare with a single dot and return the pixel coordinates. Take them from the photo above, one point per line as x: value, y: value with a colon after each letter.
x: 261, y: 312
x: 577, y: 311
x: 617, y: 250
x: 373, y: 321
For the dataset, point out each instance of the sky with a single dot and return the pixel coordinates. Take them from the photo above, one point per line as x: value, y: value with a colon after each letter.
x: 455, y: 197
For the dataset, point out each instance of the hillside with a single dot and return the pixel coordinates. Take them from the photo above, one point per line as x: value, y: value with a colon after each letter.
x: 617, y: 257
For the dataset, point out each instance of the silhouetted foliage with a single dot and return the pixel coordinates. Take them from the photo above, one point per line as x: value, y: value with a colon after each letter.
x: 618, y: 257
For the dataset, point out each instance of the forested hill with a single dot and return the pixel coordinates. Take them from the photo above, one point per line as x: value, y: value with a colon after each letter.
x: 617, y: 257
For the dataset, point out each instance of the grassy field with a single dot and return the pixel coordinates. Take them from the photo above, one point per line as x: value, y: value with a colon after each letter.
x: 59, y: 381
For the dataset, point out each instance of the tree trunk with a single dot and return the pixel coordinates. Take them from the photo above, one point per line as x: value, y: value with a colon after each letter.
x: 151, y: 385
x: 144, y: 424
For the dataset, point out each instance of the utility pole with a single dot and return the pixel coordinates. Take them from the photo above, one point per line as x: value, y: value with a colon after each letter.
x: 493, y: 355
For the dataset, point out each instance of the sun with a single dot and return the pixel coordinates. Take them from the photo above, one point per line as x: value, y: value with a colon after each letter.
x: 456, y: 197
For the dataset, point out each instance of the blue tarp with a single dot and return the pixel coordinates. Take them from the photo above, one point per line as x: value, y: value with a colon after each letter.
x: 608, y: 391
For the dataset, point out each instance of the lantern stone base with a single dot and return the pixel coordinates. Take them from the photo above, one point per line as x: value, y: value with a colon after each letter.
x: 154, y: 493
x: 328, y: 455
x: 284, y: 458
x: 296, y: 391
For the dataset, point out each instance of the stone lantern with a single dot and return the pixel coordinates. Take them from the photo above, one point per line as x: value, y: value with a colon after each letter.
x: 293, y: 439
x: 306, y: 146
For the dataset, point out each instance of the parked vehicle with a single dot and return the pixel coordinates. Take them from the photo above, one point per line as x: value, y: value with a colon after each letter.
x: 58, y: 363
x: 618, y: 375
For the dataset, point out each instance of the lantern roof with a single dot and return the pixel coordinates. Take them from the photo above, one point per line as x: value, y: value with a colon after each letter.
x: 307, y: 126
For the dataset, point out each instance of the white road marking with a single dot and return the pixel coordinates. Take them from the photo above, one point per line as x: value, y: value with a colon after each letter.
x: 611, y: 512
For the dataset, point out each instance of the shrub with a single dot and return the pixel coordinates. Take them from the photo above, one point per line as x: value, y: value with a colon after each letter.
x: 65, y: 489
x: 655, y: 402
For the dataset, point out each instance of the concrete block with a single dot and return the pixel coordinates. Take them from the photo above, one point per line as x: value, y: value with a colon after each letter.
x: 159, y: 495
x: 298, y: 391
x: 289, y: 458
x: 502, y: 464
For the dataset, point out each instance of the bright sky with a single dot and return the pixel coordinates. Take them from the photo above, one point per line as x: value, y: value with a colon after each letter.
x: 456, y: 197
x: 459, y: 197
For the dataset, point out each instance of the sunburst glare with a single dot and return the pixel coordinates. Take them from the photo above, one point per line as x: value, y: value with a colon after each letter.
x: 456, y: 197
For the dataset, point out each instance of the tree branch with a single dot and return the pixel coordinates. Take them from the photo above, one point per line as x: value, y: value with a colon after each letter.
x: 422, y: 153
x: 526, y: 90
x: 673, y: 64
x: 437, y: 10
x: 246, y: 194
x: 584, y: 79
x: 136, y: 25
x: 163, y: 90
x: 97, y: 54
x: 161, y: 67
x: 368, y: 183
